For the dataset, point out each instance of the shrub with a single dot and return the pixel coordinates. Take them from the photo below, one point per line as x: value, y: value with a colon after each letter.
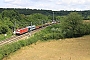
x: 33, y: 39
x: 85, y: 29
x: 1, y: 56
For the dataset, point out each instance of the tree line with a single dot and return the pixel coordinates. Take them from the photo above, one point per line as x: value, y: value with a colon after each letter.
x: 14, y: 18
x: 85, y: 14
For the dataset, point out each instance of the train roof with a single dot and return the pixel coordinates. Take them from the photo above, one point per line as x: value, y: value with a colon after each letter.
x: 30, y: 26
x: 22, y: 28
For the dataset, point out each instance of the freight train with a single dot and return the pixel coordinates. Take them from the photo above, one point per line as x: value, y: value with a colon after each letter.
x: 30, y: 28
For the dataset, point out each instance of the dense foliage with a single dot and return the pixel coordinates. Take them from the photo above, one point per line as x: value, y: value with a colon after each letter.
x: 21, y: 20
x: 18, y: 18
x: 38, y: 19
x: 70, y: 26
x: 85, y: 14
x: 10, y: 20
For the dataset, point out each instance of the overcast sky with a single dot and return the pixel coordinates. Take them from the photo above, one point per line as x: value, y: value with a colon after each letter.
x: 55, y: 5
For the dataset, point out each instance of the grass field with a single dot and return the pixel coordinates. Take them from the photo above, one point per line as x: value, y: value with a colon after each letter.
x: 66, y: 49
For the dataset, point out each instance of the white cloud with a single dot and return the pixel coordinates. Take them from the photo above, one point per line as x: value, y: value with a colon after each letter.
x: 50, y: 4
x: 72, y: 1
x: 8, y: 0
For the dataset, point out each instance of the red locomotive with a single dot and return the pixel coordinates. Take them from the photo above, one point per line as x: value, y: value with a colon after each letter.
x: 21, y: 31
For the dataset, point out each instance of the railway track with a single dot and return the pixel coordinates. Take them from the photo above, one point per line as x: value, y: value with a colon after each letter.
x: 17, y: 38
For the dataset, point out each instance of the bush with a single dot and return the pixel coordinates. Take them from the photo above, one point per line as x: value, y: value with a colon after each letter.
x: 1, y: 56
x: 85, y: 29
x: 23, y: 43
x: 33, y: 39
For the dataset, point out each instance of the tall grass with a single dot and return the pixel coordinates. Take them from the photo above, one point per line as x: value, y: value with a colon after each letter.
x: 3, y: 37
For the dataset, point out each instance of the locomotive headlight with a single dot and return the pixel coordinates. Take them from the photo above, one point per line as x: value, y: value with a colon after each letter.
x: 18, y: 30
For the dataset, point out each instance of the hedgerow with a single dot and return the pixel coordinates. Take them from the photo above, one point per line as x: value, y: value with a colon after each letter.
x: 10, y: 48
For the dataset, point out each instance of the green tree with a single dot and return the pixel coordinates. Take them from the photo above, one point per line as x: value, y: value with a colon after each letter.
x: 59, y: 18
x: 37, y: 18
x: 3, y: 28
x: 11, y: 14
x: 0, y: 17
x: 7, y: 22
x: 88, y: 17
x: 71, y: 25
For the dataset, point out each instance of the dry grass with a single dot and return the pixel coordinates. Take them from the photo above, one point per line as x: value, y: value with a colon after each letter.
x: 66, y: 49
x: 87, y: 21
